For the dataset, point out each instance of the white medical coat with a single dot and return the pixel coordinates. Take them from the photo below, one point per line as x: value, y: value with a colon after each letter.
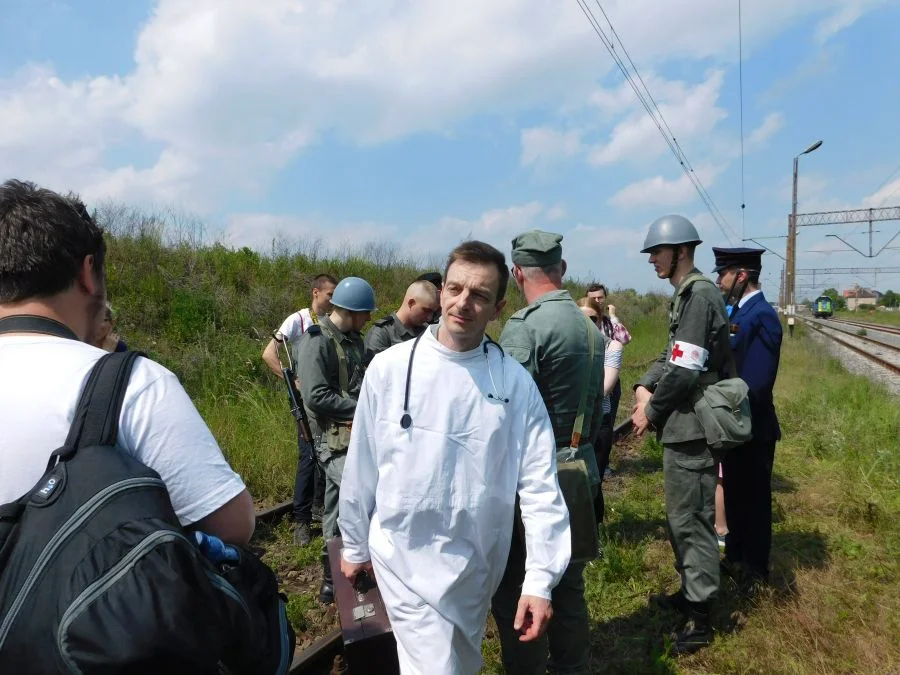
x: 432, y: 505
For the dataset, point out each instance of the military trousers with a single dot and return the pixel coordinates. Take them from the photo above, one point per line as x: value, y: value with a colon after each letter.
x: 566, y: 646
x: 309, y: 482
x: 747, y: 477
x: 333, y: 465
x: 689, y: 477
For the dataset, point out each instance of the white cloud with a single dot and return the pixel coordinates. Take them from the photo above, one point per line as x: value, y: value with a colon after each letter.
x: 844, y: 16
x: 885, y: 196
x: 223, y: 94
x: 771, y: 125
x: 545, y: 145
x: 690, y: 112
x: 662, y: 192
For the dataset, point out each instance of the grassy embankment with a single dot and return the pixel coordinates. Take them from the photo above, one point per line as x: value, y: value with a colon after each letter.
x: 207, y: 312
x: 834, y: 606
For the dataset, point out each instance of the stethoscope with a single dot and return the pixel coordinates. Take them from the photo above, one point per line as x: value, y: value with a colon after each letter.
x: 406, y: 420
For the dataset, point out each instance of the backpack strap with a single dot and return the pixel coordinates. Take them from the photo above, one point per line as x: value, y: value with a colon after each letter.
x: 96, y: 420
x: 29, y: 323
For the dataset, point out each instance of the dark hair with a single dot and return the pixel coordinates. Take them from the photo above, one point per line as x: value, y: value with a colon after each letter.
x: 44, y: 239
x: 597, y: 287
x: 479, y: 252
x: 433, y: 278
x: 322, y: 280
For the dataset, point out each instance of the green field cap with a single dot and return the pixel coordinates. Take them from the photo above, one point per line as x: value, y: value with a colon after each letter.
x: 536, y: 248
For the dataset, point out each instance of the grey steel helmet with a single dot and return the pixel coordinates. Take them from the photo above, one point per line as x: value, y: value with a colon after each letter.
x: 670, y: 230
x: 354, y: 294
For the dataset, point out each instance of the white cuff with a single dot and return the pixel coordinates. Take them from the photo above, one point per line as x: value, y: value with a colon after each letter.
x: 356, y: 554
x: 537, y: 583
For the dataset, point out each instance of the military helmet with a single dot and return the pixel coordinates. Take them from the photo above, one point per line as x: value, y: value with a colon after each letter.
x: 354, y: 294
x: 671, y: 230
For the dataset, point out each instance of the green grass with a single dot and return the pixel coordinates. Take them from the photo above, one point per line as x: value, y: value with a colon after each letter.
x: 205, y: 313
x: 834, y: 605
x: 870, y: 316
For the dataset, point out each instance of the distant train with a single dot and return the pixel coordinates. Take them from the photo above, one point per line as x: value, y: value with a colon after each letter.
x: 823, y: 307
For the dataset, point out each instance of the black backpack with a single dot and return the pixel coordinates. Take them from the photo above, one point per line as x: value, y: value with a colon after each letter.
x: 98, y: 576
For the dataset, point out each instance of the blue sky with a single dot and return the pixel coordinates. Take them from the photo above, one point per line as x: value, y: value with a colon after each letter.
x: 419, y: 124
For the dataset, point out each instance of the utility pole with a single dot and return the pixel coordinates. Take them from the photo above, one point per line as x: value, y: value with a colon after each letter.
x: 792, y: 231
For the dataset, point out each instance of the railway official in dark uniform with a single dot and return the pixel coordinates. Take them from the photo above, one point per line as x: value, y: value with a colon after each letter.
x: 552, y: 340
x: 330, y: 369
x: 747, y: 470
x: 420, y: 304
x: 696, y: 355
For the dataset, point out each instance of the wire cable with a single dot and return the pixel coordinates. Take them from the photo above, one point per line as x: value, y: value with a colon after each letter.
x: 652, y: 109
x: 741, y: 95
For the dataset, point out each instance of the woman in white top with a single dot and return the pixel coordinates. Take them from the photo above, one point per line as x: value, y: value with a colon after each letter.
x: 612, y: 363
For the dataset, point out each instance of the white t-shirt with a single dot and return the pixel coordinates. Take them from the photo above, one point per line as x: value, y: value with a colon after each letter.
x: 41, y: 378
x: 296, y: 325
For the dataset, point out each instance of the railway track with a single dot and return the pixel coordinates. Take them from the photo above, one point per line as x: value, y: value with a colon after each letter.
x: 889, y: 358
x: 884, y: 328
x: 324, y: 656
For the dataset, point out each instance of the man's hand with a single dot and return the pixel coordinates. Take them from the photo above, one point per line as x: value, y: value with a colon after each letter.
x: 352, y: 570
x: 532, y: 617
x: 639, y: 419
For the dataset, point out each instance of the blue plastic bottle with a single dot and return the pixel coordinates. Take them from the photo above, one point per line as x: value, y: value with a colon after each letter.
x: 215, y: 549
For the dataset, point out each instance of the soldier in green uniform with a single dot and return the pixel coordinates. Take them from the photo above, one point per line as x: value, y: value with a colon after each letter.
x: 550, y: 338
x: 696, y: 355
x: 419, y: 306
x: 330, y: 370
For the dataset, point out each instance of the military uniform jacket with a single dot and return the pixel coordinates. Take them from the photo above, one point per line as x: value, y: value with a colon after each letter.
x: 319, y: 372
x: 386, y: 332
x: 756, y: 344
x: 549, y: 337
x: 702, y: 322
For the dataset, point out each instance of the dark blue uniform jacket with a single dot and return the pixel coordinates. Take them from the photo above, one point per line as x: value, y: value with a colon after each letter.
x: 756, y: 342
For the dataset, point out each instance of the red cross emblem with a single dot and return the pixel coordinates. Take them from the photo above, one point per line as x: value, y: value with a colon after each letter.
x: 677, y: 351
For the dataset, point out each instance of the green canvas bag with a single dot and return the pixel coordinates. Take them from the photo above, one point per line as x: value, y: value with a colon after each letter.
x: 722, y: 407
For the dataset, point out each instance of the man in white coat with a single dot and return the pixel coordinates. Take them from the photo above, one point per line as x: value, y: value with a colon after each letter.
x: 447, y: 432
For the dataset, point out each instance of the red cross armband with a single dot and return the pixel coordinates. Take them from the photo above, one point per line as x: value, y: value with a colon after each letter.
x: 686, y: 355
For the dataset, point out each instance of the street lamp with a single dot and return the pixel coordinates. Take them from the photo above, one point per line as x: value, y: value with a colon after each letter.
x: 792, y: 232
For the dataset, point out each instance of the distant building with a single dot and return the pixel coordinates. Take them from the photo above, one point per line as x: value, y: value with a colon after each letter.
x: 860, y: 297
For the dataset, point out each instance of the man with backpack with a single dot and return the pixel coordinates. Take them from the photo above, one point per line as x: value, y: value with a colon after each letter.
x: 696, y: 353
x: 113, y: 552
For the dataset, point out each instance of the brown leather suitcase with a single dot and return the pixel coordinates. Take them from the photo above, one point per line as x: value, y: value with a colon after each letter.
x: 369, y: 645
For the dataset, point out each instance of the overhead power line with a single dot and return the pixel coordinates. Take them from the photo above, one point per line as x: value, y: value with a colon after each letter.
x: 741, y: 95
x: 614, y: 44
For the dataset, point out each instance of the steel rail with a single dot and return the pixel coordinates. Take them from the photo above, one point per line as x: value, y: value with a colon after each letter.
x: 884, y: 363
x: 884, y: 328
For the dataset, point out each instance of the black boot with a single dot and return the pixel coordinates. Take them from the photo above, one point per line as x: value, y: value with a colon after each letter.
x: 696, y: 633
x: 326, y: 590
x: 672, y: 602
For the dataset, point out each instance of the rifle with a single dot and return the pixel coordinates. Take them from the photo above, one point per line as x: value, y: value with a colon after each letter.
x: 298, y: 410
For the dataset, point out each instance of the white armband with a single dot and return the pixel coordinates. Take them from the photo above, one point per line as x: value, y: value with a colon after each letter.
x: 689, y: 356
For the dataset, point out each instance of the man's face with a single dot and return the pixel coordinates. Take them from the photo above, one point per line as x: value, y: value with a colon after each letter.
x: 421, y: 312
x: 661, y: 259
x: 359, y: 320
x: 469, y: 299
x: 95, y: 305
x: 322, y: 298
x: 726, y: 278
x: 599, y: 296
